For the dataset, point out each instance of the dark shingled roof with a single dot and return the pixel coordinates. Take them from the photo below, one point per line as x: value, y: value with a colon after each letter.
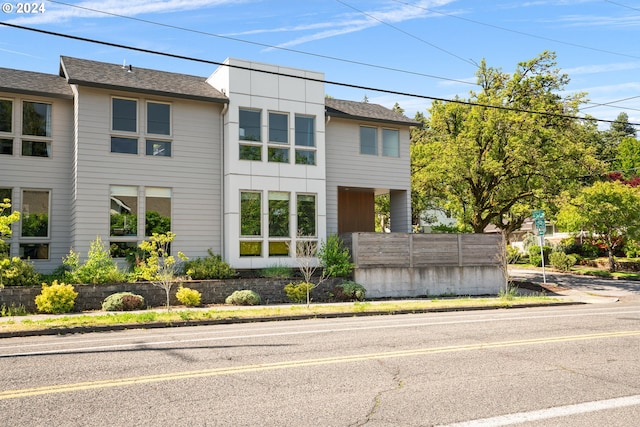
x: 83, y: 72
x: 365, y: 111
x: 37, y: 84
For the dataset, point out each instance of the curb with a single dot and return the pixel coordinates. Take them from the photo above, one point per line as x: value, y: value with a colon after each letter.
x: 237, y: 320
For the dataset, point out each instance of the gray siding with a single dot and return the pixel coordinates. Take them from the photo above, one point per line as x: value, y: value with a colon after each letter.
x: 346, y: 167
x: 193, y: 172
x: 21, y: 172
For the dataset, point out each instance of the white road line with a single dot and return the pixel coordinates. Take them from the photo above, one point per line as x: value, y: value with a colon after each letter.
x: 544, y: 414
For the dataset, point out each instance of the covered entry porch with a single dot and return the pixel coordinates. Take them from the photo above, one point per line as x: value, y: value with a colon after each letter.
x: 356, y: 209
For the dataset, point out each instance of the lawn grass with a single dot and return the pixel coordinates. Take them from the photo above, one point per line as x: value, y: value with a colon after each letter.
x: 140, y: 319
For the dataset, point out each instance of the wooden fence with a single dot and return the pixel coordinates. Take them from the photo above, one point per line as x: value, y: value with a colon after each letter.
x: 407, y: 264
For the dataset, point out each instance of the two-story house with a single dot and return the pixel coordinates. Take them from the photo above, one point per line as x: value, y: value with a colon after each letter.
x: 246, y: 162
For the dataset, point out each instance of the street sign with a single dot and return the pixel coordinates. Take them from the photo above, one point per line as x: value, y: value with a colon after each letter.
x: 538, y: 213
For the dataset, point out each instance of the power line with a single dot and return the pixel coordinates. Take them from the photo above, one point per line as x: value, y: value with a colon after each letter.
x: 329, y: 82
x: 409, y: 34
x: 301, y: 52
x: 622, y: 5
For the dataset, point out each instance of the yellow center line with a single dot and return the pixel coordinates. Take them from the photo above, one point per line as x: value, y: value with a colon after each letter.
x: 173, y: 376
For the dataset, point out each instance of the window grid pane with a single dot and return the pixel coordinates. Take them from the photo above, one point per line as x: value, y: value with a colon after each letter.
x: 35, y: 213
x: 125, y: 115
x: 278, y: 155
x: 305, y: 131
x: 6, y: 146
x: 124, y: 145
x: 278, y: 214
x: 158, y: 148
x: 124, y: 211
x: 158, y: 211
x: 305, y: 157
x: 368, y: 140
x: 390, y: 143
x: 36, y: 148
x: 278, y: 128
x: 249, y: 125
x: 250, y: 214
x: 306, y: 215
x: 6, y: 115
x: 250, y: 152
x: 158, y: 118
x: 36, y: 119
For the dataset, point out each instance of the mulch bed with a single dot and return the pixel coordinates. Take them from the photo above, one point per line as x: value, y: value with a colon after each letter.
x: 547, y: 288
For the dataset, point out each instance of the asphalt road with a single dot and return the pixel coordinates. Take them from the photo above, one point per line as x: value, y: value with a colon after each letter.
x: 567, y: 366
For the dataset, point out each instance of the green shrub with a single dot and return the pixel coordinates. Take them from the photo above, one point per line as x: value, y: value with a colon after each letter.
x: 535, y: 258
x: 244, y: 297
x: 562, y: 261
x: 513, y: 255
x: 56, y: 298
x: 349, y: 291
x: 334, y: 257
x: 210, y: 267
x: 298, y: 293
x: 189, y: 297
x: 123, y: 301
x: 276, y: 272
x: 18, y: 272
x: 13, y: 310
x: 97, y: 269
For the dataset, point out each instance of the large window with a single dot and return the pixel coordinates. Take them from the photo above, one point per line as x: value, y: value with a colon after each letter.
x: 158, y: 118
x: 390, y: 143
x: 249, y: 125
x: 36, y: 119
x: 279, y: 223
x: 124, y: 115
x: 368, y: 140
x: 250, y: 223
x: 305, y: 140
x: 6, y: 115
x: 157, y: 210
x: 35, y: 213
x: 123, y: 211
x: 306, y: 208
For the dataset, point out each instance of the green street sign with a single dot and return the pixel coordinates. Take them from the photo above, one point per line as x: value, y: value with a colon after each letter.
x: 538, y: 213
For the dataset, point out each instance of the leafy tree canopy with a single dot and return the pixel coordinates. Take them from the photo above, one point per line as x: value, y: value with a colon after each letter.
x: 489, y: 160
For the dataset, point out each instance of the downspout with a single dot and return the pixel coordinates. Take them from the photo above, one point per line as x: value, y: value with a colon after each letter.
x: 225, y: 108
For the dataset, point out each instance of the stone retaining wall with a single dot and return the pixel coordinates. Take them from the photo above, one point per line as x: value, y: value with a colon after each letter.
x: 90, y: 297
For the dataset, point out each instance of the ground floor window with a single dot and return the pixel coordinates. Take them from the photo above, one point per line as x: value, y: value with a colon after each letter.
x: 34, y: 250
x: 35, y: 213
x: 289, y: 216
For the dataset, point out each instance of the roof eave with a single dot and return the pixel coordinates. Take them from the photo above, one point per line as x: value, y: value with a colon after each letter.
x: 36, y: 93
x: 148, y: 91
x: 342, y: 115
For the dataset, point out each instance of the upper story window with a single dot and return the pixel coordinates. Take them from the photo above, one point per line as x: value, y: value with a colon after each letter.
x: 368, y: 140
x: 278, y: 128
x: 36, y: 119
x: 158, y: 118
x: 390, y: 143
x: 305, y: 140
x: 250, y: 125
x: 124, y: 116
x: 6, y: 115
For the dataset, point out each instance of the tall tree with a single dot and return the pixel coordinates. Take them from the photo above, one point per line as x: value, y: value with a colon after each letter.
x: 609, y: 142
x: 610, y: 210
x: 490, y: 160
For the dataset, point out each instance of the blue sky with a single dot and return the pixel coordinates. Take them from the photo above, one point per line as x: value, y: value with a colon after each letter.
x: 425, y: 47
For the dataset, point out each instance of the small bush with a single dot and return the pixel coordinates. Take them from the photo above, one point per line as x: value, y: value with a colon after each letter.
x: 56, y: 298
x: 210, y: 267
x: 276, y: 272
x: 562, y: 261
x: 350, y: 291
x: 123, y: 301
x: 513, y: 255
x: 13, y: 310
x: 18, y: 272
x: 244, y: 297
x: 189, y: 297
x: 298, y: 293
x: 334, y: 257
x: 99, y: 267
x: 535, y: 258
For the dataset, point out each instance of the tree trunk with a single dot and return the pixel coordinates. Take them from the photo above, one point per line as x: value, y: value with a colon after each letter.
x: 612, y: 261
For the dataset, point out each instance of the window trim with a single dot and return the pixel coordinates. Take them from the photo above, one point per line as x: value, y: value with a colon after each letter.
x: 375, y: 146
x: 287, y: 129
x: 397, y: 147
x: 48, y: 127
x: 250, y: 110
